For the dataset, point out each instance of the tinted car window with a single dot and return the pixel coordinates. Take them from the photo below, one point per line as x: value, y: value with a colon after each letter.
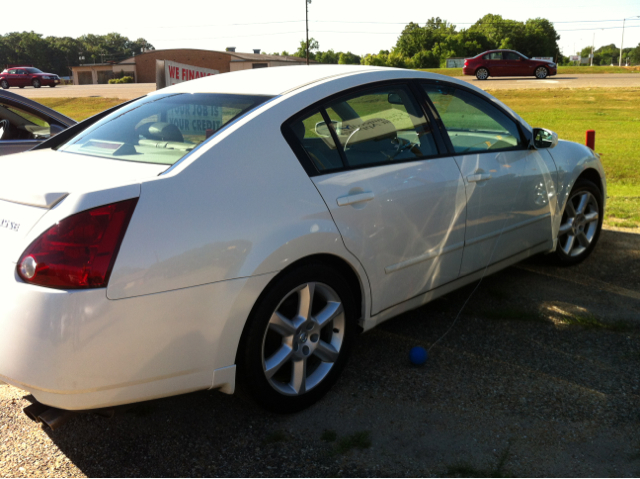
x: 473, y: 124
x: 160, y: 128
x: 512, y: 56
x: 314, y: 135
x: 380, y: 126
x: 493, y: 56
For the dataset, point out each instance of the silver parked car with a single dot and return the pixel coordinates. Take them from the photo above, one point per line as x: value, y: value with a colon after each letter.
x: 239, y: 229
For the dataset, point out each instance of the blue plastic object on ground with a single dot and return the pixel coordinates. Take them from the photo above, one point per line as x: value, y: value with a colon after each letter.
x: 418, y: 355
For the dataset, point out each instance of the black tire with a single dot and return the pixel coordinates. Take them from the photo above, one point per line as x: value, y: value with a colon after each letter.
x: 262, y: 339
x: 4, y: 84
x: 482, y: 73
x: 580, y: 225
x: 21, y: 86
x: 36, y: 83
x: 541, y: 73
x: 53, y: 86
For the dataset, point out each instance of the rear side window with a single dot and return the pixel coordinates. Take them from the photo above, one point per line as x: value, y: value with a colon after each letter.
x: 379, y: 126
x: 473, y: 124
x: 161, y: 129
x: 493, y: 56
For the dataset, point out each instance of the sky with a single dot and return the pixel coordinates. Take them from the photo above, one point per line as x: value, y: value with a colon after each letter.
x: 342, y: 25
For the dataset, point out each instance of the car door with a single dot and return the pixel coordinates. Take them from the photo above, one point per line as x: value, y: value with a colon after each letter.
x: 515, y: 64
x: 22, y: 78
x: 25, y: 123
x: 494, y: 63
x: 509, y: 187
x: 398, y: 202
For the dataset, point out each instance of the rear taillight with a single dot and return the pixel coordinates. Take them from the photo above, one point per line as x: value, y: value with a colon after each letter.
x: 466, y: 63
x: 79, y: 251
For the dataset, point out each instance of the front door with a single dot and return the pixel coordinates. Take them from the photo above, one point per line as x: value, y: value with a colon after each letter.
x: 507, y: 185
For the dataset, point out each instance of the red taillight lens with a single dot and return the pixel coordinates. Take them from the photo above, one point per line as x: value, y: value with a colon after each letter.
x: 79, y: 251
x: 466, y: 63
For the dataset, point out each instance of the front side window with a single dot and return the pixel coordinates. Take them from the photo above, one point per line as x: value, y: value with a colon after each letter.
x: 23, y: 125
x: 161, y: 128
x: 376, y: 127
x: 473, y: 125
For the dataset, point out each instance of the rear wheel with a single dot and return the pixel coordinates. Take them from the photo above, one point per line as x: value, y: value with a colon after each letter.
x: 21, y: 86
x: 4, y: 84
x: 297, y: 340
x: 36, y: 83
x: 542, y: 73
x: 482, y: 73
x: 53, y: 86
x: 581, y: 223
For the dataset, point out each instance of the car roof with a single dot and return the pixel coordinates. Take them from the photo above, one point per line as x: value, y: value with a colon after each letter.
x: 280, y: 80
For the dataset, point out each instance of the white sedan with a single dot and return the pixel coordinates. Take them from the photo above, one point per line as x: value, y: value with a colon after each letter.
x: 241, y: 229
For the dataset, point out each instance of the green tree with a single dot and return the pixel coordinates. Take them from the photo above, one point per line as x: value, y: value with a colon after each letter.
x: 302, y: 49
x: 349, y: 58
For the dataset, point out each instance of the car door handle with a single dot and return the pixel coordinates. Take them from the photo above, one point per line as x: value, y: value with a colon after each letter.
x: 357, y: 198
x: 479, y: 177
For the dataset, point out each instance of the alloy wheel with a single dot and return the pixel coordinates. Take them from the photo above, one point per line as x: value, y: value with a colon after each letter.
x: 303, y: 339
x: 579, y: 223
x: 482, y: 74
x: 541, y: 73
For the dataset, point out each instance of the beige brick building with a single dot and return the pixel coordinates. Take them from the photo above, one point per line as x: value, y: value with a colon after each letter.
x: 142, y: 67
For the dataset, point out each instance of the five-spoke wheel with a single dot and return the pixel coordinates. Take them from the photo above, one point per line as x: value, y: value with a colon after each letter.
x: 36, y: 83
x: 482, y: 73
x: 542, y: 73
x: 297, y: 339
x: 581, y: 223
x: 4, y: 84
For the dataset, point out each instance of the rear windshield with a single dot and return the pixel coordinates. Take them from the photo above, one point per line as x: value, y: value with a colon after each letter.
x: 161, y: 129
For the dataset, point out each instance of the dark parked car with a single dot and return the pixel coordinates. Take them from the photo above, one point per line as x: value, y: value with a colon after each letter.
x: 27, y: 76
x: 507, y: 63
x: 25, y: 123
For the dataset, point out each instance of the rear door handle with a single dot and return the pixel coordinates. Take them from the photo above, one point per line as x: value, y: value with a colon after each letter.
x: 357, y: 198
x: 478, y: 177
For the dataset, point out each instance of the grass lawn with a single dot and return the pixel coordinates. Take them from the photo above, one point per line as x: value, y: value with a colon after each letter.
x: 615, y: 116
x: 613, y: 113
x: 457, y: 72
x: 79, y: 108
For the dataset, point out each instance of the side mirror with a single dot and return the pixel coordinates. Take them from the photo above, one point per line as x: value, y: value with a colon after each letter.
x: 544, y: 138
x: 322, y: 130
x: 395, y: 99
x: 55, y: 129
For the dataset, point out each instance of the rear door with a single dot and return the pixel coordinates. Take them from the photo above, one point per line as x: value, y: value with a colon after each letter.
x: 508, y: 186
x: 397, y: 200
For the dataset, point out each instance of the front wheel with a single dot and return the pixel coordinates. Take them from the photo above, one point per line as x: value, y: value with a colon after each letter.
x: 297, y: 339
x: 542, y: 73
x: 36, y: 83
x: 4, y: 84
x: 581, y: 223
x: 482, y: 73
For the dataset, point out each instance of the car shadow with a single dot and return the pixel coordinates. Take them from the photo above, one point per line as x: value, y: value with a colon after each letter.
x: 531, y: 78
x: 558, y: 345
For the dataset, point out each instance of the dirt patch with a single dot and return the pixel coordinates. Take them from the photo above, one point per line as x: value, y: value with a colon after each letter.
x: 539, y: 376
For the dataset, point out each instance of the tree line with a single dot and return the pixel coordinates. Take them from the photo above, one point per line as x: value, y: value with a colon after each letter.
x: 59, y: 54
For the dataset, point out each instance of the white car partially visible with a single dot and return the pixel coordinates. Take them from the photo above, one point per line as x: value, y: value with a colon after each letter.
x: 241, y: 228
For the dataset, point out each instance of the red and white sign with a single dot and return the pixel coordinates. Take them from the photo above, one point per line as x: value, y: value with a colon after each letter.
x: 178, y: 72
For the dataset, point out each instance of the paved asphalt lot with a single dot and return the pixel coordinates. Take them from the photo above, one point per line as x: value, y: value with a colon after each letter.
x: 539, y: 376
x: 135, y: 90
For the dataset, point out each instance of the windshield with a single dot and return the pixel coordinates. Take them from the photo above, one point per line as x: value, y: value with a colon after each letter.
x: 33, y: 70
x: 161, y: 128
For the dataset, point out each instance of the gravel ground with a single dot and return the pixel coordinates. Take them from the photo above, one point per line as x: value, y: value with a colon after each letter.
x: 539, y: 376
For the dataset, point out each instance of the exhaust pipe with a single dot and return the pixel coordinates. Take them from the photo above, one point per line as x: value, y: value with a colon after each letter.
x: 55, y: 418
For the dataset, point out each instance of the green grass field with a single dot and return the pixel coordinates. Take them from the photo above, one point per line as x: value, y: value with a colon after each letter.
x: 457, y: 72
x: 613, y: 113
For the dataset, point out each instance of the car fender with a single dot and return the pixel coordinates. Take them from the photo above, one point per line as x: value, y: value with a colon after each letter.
x: 572, y: 160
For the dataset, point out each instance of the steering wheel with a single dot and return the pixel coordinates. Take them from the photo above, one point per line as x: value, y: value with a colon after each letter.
x: 4, y: 129
x: 372, y: 129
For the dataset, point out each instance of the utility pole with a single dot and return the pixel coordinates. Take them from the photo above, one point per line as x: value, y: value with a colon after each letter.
x: 622, y: 39
x: 593, y: 45
x: 306, y: 6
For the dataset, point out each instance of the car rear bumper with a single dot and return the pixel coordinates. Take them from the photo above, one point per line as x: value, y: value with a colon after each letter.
x: 79, y: 350
x: 468, y: 71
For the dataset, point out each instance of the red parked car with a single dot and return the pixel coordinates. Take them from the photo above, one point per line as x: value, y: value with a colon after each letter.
x: 507, y: 63
x: 27, y: 76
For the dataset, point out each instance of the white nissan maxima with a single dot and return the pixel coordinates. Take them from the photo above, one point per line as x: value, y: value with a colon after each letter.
x: 241, y: 229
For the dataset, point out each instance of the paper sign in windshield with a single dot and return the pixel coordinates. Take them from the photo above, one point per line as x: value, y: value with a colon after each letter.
x: 194, y: 119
